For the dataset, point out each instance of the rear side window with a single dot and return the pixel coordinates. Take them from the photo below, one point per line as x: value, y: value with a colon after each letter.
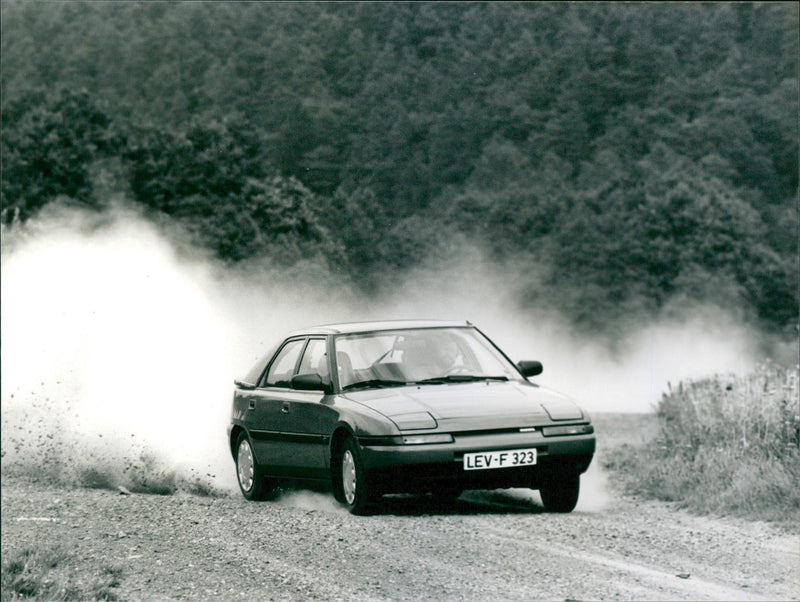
x: 282, y: 368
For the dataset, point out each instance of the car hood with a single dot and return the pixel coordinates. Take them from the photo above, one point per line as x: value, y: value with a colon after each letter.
x: 465, y: 406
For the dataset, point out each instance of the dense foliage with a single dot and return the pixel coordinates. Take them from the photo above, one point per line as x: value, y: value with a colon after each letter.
x: 725, y: 446
x: 627, y: 155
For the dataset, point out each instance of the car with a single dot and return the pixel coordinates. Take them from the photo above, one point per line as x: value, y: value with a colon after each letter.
x: 375, y: 408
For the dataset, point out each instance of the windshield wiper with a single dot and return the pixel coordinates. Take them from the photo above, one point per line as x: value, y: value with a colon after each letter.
x: 374, y: 383
x: 457, y: 378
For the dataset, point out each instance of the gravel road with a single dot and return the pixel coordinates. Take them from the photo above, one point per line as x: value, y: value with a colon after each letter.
x: 485, y: 546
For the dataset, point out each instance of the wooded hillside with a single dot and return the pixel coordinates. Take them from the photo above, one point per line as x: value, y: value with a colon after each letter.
x: 619, y: 156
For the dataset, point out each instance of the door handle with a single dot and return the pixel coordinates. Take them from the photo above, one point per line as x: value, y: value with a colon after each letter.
x: 285, y: 407
x: 252, y: 405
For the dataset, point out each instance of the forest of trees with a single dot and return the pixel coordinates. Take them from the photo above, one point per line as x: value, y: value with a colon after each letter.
x: 625, y: 154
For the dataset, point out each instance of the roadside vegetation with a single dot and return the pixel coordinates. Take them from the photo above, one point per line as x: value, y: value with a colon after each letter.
x: 48, y: 572
x: 724, y: 446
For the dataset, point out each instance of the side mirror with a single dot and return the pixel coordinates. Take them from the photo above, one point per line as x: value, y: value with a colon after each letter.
x: 244, y: 385
x: 310, y: 382
x: 530, y: 368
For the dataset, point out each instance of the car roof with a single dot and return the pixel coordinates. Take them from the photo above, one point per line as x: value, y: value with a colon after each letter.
x: 359, y: 327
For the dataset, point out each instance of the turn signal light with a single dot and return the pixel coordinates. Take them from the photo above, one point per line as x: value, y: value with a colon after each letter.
x: 575, y: 429
x: 422, y: 439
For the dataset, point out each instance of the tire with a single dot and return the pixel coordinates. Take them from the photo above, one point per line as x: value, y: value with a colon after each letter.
x: 248, y: 473
x: 350, y: 484
x: 560, y: 492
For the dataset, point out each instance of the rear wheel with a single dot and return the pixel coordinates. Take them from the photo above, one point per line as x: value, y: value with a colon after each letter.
x: 249, y: 475
x: 351, y: 487
x: 560, y: 492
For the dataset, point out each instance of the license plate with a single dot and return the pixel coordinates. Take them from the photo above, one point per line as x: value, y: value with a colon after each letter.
x: 500, y: 459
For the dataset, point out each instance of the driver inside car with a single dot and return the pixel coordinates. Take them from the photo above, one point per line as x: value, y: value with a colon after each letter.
x: 424, y: 358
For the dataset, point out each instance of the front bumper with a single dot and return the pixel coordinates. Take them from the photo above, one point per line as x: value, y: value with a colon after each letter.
x: 428, y: 467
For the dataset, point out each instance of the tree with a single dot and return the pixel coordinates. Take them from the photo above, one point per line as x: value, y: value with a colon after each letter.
x: 49, y: 140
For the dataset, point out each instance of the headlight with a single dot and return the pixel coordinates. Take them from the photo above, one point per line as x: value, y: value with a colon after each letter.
x: 422, y: 439
x: 576, y: 429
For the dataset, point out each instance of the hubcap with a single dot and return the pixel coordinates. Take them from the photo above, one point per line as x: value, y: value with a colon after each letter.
x: 245, y: 465
x: 349, y: 476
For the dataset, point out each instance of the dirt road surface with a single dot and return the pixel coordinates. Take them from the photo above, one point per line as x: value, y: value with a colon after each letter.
x: 484, y: 546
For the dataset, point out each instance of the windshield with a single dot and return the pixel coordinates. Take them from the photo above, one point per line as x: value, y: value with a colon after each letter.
x: 400, y: 357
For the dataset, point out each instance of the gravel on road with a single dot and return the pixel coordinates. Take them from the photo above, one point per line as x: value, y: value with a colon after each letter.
x: 487, y: 545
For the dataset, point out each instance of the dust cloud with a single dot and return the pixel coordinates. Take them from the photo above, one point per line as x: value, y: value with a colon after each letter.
x: 120, y: 341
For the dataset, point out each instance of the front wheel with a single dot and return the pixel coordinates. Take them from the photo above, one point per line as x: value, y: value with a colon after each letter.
x: 560, y: 492
x: 351, y: 487
x: 251, y: 479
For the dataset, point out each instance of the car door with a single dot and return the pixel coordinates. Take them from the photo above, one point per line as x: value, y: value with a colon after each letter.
x: 284, y: 423
x: 302, y: 411
x: 264, y: 417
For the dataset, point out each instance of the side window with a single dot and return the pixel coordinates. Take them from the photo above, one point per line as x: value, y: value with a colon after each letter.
x: 315, y: 359
x: 282, y: 369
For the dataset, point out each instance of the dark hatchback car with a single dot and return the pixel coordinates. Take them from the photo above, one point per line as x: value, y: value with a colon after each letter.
x: 368, y: 409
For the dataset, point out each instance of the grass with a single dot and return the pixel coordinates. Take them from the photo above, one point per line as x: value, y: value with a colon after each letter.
x: 45, y: 574
x: 724, y: 446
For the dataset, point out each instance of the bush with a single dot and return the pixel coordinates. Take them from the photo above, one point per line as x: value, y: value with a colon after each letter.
x: 756, y: 414
x: 725, y: 446
x: 49, y: 141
